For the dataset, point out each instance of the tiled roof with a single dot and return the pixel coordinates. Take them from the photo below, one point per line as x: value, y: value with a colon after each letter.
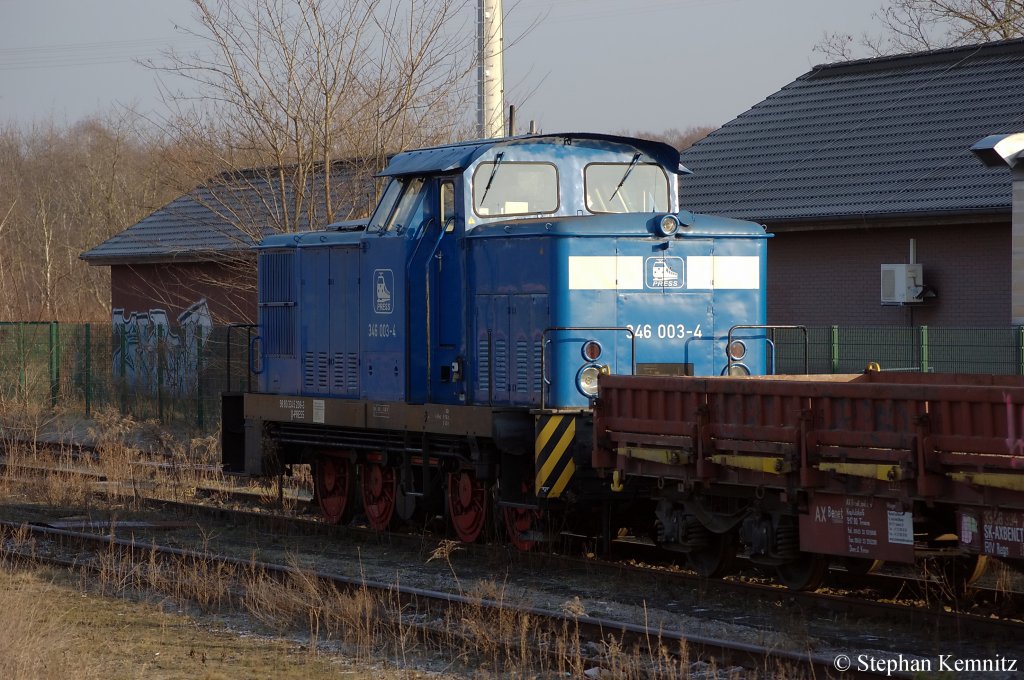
x: 205, y: 222
x: 886, y: 136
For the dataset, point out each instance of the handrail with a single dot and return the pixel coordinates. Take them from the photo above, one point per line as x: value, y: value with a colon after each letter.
x: 728, y: 356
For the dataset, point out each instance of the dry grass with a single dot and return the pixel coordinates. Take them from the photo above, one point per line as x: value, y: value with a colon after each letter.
x: 367, y: 625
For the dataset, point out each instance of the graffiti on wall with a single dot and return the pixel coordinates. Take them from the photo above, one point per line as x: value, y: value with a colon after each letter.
x: 149, y: 354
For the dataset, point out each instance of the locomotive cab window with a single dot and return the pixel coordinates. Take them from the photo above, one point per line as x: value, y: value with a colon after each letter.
x: 626, y: 187
x: 503, y: 189
x: 399, y: 207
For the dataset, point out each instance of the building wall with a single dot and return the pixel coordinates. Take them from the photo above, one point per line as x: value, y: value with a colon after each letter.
x: 832, y: 277
x: 229, y: 290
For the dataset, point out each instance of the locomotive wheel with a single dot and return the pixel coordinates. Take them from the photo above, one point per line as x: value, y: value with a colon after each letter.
x: 379, y: 490
x: 467, y: 505
x: 804, y: 573
x: 333, y: 482
x: 519, y: 521
x: 717, y: 558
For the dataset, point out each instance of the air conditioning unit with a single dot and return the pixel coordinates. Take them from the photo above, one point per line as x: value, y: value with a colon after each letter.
x: 902, y: 284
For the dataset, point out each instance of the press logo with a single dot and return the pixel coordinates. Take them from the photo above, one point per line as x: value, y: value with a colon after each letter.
x: 383, y: 291
x: 664, y: 272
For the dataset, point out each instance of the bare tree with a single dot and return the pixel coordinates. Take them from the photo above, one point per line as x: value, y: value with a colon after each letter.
x: 916, y: 25
x: 62, y: 191
x: 285, y: 90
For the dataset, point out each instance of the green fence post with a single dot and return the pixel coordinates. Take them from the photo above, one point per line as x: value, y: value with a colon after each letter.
x: 88, y: 370
x: 199, y: 377
x: 160, y: 372
x: 24, y: 359
x: 1020, y: 350
x: 923, y: 330
x: 54, y: 363
x: 835, y: 349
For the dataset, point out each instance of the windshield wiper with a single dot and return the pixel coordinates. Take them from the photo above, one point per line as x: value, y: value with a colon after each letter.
x: 632, y: 164
x: 494, y: 170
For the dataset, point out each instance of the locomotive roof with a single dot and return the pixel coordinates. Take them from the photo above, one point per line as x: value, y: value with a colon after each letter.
x: 454, y: 157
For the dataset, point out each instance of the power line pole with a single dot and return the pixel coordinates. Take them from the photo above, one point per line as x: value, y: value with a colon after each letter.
x: 490, y: 71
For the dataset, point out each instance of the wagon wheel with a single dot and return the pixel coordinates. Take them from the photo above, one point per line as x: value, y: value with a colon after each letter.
x: 958, y: 574
x: 379, y: 490
x: 804, y: 573
x: 467, y: 505
x: 717, y: 558
x: 333, y: 485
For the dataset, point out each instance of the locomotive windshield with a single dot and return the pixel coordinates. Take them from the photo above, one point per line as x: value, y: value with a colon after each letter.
x: 396, y: 209
x: 509, y: 188
x: 626, y: 187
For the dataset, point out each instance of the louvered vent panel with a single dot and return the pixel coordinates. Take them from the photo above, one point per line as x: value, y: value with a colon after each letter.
x: 501, y: 365
x: 338, y: 373
x: 484, y: 366
x: 322, y: 371
x: 522, y: 383
x: 309, y: 370
x: 352, y: 372
x: 277, y: 299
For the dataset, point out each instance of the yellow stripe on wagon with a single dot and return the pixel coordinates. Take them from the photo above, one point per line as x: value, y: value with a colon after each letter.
x: 553, y: 454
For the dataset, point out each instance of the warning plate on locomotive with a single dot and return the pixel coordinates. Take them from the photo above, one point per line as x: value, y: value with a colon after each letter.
x: 854, y: 526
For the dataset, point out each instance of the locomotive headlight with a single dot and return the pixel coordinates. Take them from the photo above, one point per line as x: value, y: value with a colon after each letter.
x: 737, y: 350
x: 591, y: 350
x: 586, y: 380
x: 738, y: 369
x: 668, y: 225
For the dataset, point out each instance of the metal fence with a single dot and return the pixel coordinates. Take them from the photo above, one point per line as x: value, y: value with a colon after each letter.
x: 173, y: 375
x: 176, y: 375
x: 836, y: 349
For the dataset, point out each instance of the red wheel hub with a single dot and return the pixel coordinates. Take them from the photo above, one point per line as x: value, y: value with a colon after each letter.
x: 332, y: 487
x: 467, y: 505
x: 378, y: 488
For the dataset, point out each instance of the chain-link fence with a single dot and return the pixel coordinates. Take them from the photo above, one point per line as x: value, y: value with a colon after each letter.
x: 176, y: 375
x: 173, y: 375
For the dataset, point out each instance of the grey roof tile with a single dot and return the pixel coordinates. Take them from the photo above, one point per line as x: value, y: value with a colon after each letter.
x: 203, y: 222
x: 870, y: 137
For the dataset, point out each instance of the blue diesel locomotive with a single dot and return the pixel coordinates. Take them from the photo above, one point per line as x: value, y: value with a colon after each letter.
x: 442, y: 356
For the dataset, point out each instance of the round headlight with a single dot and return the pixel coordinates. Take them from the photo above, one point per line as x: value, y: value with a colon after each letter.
x: 737, y: 350
x: 668, y: 225
x: 586, y: 380
x: 591, y: 350
x: 738, y: 369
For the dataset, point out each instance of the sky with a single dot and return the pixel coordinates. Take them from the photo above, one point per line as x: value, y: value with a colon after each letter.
x: 586, y: 65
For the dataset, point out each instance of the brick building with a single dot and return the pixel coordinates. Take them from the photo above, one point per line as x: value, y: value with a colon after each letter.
x: 194, y: 255
x: 852, y: 161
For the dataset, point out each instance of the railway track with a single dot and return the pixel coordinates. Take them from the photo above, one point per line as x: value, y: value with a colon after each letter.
x: 423, y: 610
x: 659, y: 582
x: 864, y: 595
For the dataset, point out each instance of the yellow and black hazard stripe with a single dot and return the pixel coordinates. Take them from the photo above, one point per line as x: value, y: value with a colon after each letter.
x: 553, y: 449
